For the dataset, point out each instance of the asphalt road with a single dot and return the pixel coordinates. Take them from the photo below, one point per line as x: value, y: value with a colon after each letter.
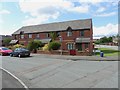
x: 8, y: 81
x: 44, y: 72
x: 108, y: 46
x: 0, y: 79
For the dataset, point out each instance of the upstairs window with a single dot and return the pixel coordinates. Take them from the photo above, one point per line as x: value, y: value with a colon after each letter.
x: 15, y: 37
x: 48, y: 35
x: 69, y: 33
x: 82, y: 33
x: 30, y: 35
x: 37, y: 36
x: 58, y: 34
x: 22, y: 36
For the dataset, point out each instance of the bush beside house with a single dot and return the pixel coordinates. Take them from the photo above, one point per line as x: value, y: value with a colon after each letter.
x: 54, y: 45
x: 34, y: 45
x: 16, y: 46
x: 46, y: 47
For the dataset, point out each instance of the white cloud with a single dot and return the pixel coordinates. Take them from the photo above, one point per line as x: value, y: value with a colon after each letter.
x: 80, y: 9
x: 101, y: 9
x: 108, y: 30
x: 41, y: 11
x: 4, y: 12
x: 106, y: 14
x: 95, y: 1
x: 38, y: 19
x: 8, y: 31
x: 49, y: 10
x: 1, y: 21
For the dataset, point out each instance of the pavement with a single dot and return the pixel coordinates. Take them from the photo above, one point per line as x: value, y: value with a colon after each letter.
x: 91, y: 58
x: 9, y: 82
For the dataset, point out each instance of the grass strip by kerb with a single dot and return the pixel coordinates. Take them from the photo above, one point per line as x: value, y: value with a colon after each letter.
x: 108, y: 52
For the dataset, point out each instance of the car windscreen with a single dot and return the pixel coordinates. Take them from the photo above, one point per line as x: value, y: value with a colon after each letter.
x: 5, y: 49
x: 23, y: 49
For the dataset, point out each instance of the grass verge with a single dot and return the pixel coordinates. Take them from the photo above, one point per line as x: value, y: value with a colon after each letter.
x: 108, y: 52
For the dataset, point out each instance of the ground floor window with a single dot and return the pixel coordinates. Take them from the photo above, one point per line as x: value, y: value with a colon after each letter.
x: 70, y: 46
x: 86, y: 45
x: 82, y: 46
x: 79, y: 46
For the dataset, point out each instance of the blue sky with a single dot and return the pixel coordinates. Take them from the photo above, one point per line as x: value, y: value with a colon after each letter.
x: 15, y: 14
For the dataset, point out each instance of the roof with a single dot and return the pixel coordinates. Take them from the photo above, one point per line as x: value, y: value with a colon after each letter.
x: 13, y: 41
x: 47, y: 40
x: 79, y: 40
x: 58, y: 26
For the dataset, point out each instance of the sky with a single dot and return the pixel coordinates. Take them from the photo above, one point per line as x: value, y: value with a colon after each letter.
x: 15, y: 14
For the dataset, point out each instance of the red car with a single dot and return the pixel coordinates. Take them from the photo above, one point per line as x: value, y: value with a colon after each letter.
x: 5, y: 51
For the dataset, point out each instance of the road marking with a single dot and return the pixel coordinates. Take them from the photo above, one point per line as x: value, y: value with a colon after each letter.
x: 15, y: 78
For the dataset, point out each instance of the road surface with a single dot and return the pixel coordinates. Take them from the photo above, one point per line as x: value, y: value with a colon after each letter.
x: 108, y: 46
x: 44, y: 72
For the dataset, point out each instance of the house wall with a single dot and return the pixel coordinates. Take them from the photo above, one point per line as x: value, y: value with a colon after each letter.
x: 65, y: 39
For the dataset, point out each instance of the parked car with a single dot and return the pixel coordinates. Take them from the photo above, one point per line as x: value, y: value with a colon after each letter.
x: 5, y: 51
x: 20, y: 52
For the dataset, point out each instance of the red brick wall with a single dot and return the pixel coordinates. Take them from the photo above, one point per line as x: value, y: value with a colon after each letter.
x: 66, y: 39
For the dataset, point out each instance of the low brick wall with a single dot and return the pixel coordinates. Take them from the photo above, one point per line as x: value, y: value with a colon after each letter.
x: 81, y: 53
x: 56, y: 52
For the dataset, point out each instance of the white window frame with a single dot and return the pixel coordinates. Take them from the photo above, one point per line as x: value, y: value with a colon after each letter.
x: 48, y: 35
x: 69, y: 33
x: 70, y: 46
x: 82, y: 33
x: 22, y: 36
x: 38, y: 35
x: 30, y: 35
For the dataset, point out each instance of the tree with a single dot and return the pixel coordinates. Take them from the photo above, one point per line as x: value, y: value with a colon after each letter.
x: 54, y: 45
x: 6, y: 41
x: 53, y: 36
x: 104, y: 40
x: 33, y: 45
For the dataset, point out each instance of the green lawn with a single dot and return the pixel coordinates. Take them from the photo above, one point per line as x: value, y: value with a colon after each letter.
x: 108, y: 52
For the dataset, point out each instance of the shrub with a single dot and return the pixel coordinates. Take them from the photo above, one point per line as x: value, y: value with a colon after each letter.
x: 34, y: 45
x: 54, y: 45
x: 11, y: 47
x: 6, y: 41
x: 46, y: 47
x: 18, y: 46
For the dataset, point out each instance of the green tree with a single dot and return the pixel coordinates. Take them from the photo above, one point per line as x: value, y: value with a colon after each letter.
x: 104, y: 40
x: 110, y: 39
x: 34, y: 45
x: 53, y: 36
x: 54, y: 45
x: 6, y: 41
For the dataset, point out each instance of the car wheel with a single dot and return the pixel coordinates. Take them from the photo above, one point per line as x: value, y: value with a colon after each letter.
x: 1, y: 54
x: 19, y: 56
x: 28, y: 55
x: 11, y: 55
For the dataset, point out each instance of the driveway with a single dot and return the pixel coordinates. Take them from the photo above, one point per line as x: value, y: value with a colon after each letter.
x: 38, y: 71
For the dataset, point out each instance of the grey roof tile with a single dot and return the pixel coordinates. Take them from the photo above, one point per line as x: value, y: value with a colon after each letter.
x: 58, y: 26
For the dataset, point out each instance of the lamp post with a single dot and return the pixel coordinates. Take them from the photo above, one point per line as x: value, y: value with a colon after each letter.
x: 60, y: 37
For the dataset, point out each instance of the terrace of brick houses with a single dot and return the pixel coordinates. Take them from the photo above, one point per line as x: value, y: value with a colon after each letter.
x: 75, y: 36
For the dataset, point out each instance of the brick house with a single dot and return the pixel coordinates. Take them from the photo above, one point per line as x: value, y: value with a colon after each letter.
x: 76, y: 34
